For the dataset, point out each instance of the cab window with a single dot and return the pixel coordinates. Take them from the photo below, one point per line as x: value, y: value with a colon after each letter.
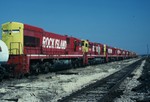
x: 86, y: 45
x: 82, y: 43
x: 15, y: 31
x: 6, y: 31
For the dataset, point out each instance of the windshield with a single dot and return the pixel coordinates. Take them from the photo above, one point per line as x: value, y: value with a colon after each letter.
x: 11, y: 31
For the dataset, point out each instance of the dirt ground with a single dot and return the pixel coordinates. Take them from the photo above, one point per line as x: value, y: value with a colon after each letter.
x: 53, y: 86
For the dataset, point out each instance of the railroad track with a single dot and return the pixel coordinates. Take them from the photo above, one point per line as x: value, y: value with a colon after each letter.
x: 103, y: 90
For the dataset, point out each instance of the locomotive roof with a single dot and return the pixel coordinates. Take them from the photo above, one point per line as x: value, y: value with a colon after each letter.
x: 34, y: 28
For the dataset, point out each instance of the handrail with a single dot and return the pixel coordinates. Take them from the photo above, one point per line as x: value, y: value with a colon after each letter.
x: 18, y: 49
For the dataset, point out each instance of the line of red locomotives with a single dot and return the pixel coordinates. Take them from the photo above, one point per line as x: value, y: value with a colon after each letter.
x: 33, y: 50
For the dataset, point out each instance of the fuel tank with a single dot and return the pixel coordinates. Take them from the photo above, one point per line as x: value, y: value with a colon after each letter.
x: 4, y: 54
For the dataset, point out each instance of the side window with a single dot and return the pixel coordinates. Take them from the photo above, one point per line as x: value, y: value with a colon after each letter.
x: 0, y: 49
x: 31, y: 41
x: 90, y: 45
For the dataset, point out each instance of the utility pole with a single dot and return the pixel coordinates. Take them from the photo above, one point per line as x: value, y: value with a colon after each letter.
x: 147, y: 50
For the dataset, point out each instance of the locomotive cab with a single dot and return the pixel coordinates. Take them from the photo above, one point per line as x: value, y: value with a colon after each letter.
x: 85, y: 50
x: 85, y: 46
x: 12, y: 35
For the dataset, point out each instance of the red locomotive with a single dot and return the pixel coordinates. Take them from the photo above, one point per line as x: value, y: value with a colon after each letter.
x: 33, y: 50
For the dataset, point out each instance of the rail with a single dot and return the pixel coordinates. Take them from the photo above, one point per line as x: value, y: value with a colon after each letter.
x: 103, y: 90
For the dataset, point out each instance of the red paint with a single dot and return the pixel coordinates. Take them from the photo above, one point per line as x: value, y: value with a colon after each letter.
x: 40, y: 45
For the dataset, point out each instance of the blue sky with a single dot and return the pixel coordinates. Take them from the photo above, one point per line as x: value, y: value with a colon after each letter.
x: 119, y: 23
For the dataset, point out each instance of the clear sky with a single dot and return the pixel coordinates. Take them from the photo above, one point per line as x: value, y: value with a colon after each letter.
x: 119, y: 23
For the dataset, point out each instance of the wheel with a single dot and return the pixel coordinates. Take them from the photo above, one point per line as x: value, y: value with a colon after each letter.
x: 35, y: 68
x: 45, y: 67
x: 2, y: 73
